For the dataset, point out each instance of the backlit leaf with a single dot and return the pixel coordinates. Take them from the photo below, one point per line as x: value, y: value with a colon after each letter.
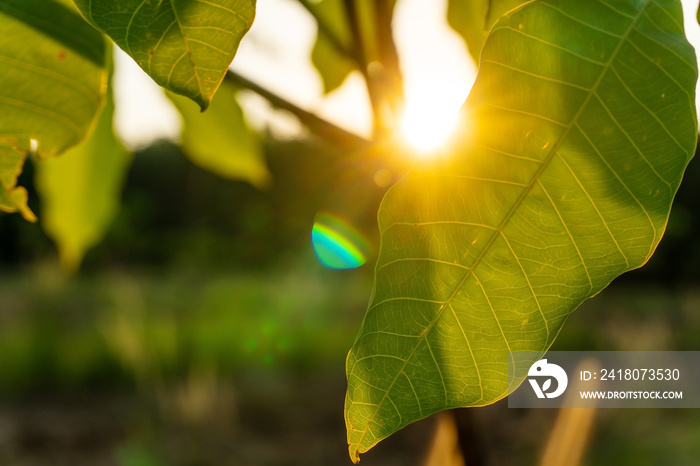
x: 583, y: 118
x: 219, y: 140
x: 184, y: 45
x: 80, y: 191
x: 332, y: 65
x: 52, y: 84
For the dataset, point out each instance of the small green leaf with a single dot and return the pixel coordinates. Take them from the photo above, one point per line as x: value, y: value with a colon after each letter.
x: 335, y: 65
x: 184, y: 45
x: 80, y: 191
x: 583, y: 116
x: 220, y: 141
x: 331, y: 64
x: 53, y: 75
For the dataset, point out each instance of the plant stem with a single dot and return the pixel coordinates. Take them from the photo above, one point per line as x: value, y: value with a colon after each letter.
x: 312, y: 121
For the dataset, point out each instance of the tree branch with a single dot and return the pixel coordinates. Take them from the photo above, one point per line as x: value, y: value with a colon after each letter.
x: 315, y: 123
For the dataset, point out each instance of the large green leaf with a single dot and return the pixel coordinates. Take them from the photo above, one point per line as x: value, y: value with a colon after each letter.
x: 184, y: 45
x: 52, y: 84
x: 472, y: 19
x: 220, y: 141
x: 584, y: 121
x: 80, y: 191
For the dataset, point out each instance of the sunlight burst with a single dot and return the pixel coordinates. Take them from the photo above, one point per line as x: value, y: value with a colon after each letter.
x: 431, y: 114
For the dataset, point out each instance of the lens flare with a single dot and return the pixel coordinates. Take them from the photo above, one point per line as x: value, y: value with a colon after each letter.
x: 337, y: 244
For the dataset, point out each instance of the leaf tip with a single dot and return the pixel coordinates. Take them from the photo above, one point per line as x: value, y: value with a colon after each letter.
x: 354, y: 453
x: 203, y: 101
x: 16, y: 201
x: 28, y: 215
x: 20, y: 197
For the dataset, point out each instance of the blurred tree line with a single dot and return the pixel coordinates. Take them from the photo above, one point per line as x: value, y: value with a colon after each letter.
x: 174, y: 211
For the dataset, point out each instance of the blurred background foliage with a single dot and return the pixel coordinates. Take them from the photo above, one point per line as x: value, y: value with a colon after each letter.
x: 203, y: 330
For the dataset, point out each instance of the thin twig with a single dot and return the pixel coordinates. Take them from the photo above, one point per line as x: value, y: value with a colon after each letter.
x: 359, y: 46
x: 356, y: 33
x: 312, y: 121
x: 388, y: 55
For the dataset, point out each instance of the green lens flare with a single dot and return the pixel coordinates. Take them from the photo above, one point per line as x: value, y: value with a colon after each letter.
x: 336, y: 244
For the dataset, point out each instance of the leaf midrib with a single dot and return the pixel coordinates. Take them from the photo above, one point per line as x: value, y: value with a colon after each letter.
x: 498, y: 231
x: 187, y: 48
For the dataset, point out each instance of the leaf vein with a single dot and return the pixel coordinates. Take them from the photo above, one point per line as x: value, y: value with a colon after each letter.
x: 568, y: 232
x: 419, y: 259
x: 437, y: 366
x: 600, y: 155
x: 187, y: 49
x: 631, y: 141
x: 595, y: 206
x: 667, y: 48
x: 661, y: 68
x: 529, y: 284
x: 578, y: 20
x: 234, y: 13
x: 534, y: 75
x: 128, y: 26
x: 523, y: 112
x: 213, y: 47
x: 551, y: 44
x: 43, y: 111
x: 471, y: 353
x: 404, y: 298
x: 73, y: 83
x: 437, y: 222
x: 636, y: 99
